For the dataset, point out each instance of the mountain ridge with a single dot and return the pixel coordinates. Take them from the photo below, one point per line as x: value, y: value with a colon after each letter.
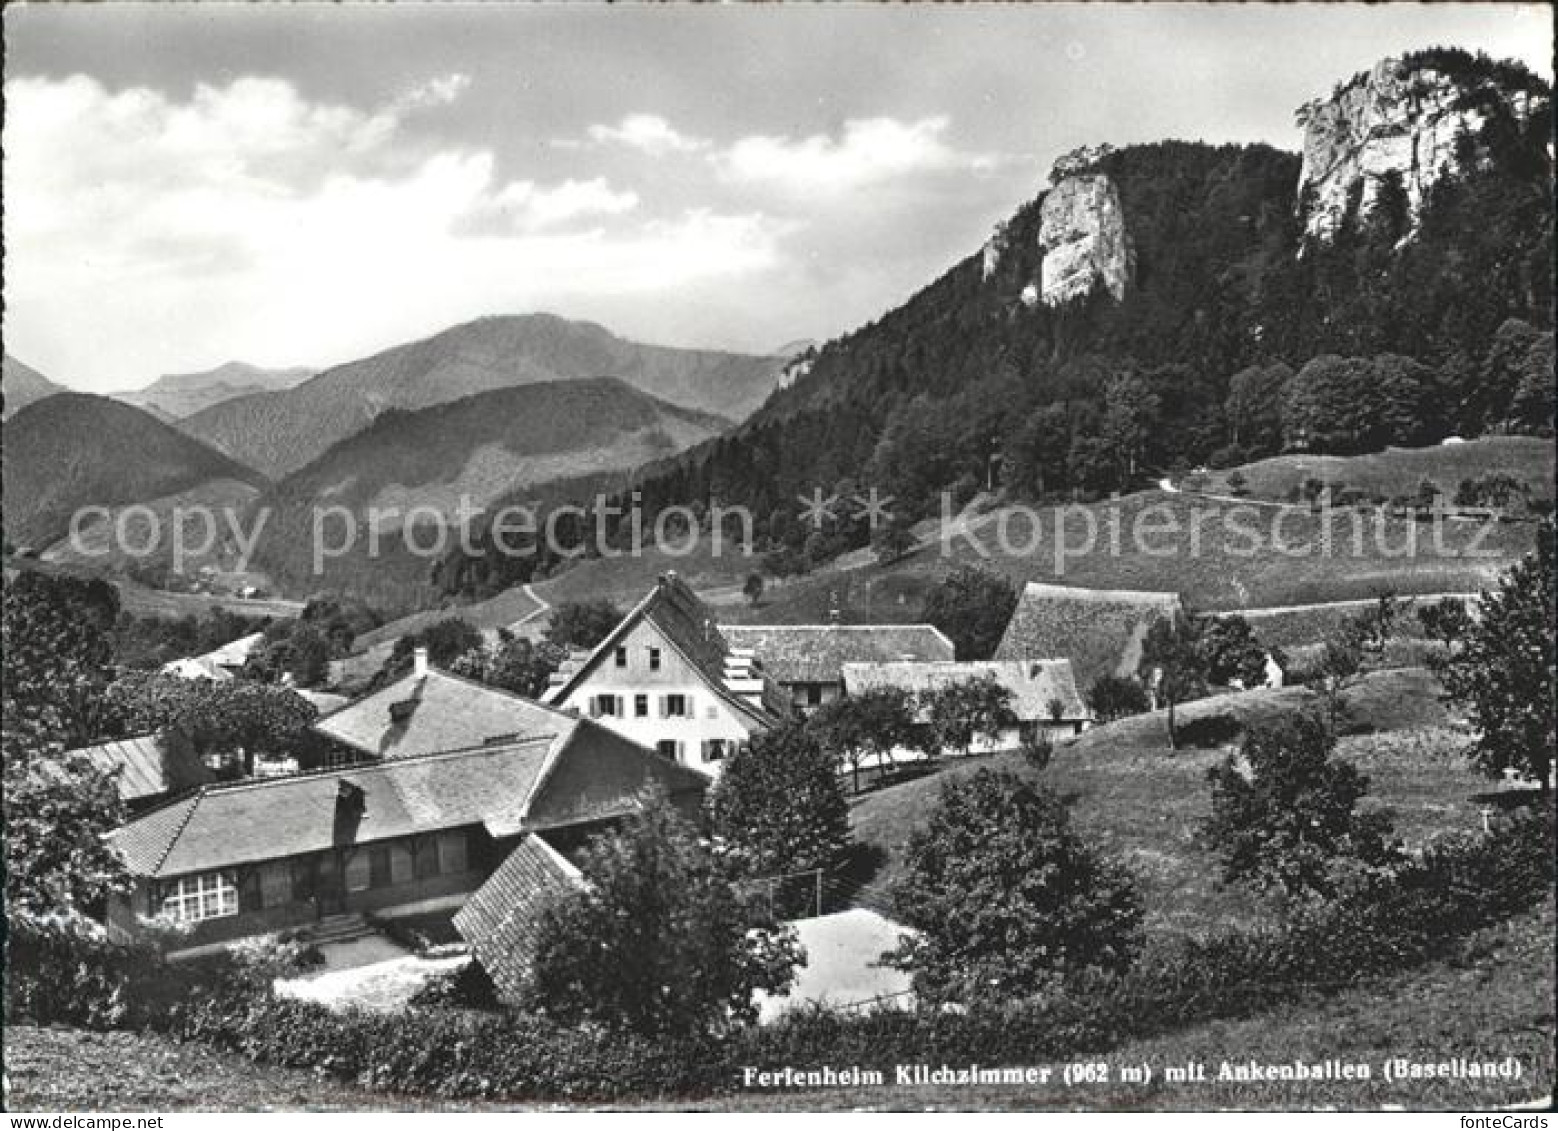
x: 281, y: 432
x: 22, y: 385
x: 178, y: 395
x: 74, y: 450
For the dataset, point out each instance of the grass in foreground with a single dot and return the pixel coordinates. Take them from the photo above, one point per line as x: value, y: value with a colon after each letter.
x: 1494, y: 999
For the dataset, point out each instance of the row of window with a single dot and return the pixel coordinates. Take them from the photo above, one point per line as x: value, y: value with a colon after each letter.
x: 622, y: 657
x: 214, y: 895
x: 672, y: 706
x: 714, y: 749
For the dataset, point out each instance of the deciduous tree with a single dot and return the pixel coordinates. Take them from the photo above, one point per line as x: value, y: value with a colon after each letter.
x: 1503, y: 672
x: 1005, y: 895
x: 1284, y: 812
x: 659, y: 942
x: 779, y: 805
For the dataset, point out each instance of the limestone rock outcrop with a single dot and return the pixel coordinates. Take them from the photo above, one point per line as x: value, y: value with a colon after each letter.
x: 1390, y: 121
x: 1082, y: 231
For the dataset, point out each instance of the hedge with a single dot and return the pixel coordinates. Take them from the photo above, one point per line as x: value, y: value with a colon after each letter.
x: 1381, y: 925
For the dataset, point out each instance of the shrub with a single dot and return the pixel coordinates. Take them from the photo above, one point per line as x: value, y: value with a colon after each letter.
x: 659, y: 943
x: 468, y: 986
x: 1037, y: 752
x: 1115, y: 697
x: 1290, y: 817
x: 982, y: 934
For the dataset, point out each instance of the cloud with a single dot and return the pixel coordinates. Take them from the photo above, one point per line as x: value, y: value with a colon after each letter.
x: 647, y: 133
x: 869, y: 151
x: 438, y: 91
x: 144, y: 232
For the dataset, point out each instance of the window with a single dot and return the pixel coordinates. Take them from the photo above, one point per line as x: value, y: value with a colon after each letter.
x: 210, y: 895
x: 451, y: 852
x: 654, y: 659
x: 304, y: 874
x: 667, y: 748
x: 604, y: 705
x: 813, y: 694
x: 674, y: 707
x: 424, y: 852
x: 713, y: 749
x: 276, y: 885
x: 379, y: 866
x: 641, y: 706
x: 622, y: 656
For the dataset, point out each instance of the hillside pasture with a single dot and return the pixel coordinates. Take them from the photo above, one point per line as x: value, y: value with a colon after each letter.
x: 1244, y: 557
x: 1399, y: 471
x: 1135, y: 798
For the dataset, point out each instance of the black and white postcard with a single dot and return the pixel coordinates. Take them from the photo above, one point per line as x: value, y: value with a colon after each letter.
x: 778, y: 557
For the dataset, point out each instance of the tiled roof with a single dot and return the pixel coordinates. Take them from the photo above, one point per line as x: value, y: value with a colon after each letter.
x: 324, y: 702
x: 576, y: 771
x: 225, y: 825
x: 1099, y: 630
x: 442, y: 712
x: 147, y: 766
x: 815, y: 653
x: 688, y: 626
x: 1034, y: 684
x: 502, y: 920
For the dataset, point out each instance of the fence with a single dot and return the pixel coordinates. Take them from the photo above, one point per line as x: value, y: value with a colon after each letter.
x: 816, y: 891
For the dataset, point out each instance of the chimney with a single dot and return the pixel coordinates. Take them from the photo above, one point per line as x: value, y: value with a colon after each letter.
x: 419, y: 661
x: 350, y: 805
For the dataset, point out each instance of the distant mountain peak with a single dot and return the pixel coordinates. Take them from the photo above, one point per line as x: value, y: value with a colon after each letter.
x: 281, y: 432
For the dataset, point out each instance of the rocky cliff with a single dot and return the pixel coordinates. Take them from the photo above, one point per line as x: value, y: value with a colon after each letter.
x: 1397, y: 120
x: 1082, y: 232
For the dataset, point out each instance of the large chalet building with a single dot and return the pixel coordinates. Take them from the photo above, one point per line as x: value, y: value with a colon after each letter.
x: 455, y: 777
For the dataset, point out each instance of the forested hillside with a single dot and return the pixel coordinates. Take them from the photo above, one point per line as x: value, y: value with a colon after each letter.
x: 1237, y: 337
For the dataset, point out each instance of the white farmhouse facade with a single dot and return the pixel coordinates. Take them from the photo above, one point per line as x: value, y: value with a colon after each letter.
x: 666, y: 678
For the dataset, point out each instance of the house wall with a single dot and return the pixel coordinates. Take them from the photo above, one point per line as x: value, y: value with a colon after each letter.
x: 708, y: 718
x: 809, y: 697
x: 466, y: 858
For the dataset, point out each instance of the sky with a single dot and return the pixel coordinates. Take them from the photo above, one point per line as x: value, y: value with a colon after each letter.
x: 305, y: 184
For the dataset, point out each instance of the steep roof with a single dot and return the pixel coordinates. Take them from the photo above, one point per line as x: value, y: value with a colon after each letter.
x: 546, y: 780
x: 687, y: 626
x: 147, y: 766
x: 1034, y: 684
x: 502, y: 920
x: 1099, y: 630
x: 815, y: 653
x: 421, y: 714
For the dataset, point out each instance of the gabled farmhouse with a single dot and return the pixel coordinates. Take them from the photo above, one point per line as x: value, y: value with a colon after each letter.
x: 1044, y: 693
x: 667, y: 677
x: 1099, y: 630
x: 147, y: 769
x: 417, y: 829
x: 807, y: 660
